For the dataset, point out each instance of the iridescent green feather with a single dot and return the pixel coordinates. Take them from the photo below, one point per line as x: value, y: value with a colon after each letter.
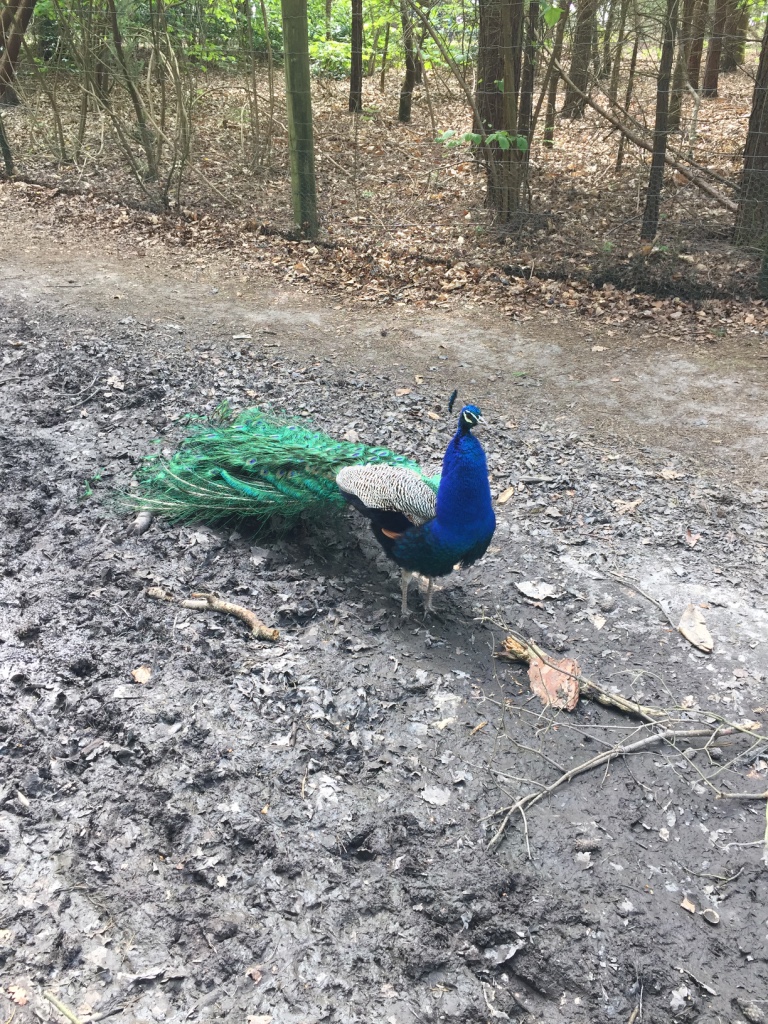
x: 256, y: 465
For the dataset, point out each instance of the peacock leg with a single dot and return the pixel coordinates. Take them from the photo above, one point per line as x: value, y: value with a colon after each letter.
x: 405, y: 579
x: 430, y: 588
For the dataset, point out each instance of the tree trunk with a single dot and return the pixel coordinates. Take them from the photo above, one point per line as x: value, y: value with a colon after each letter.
x: 613, y: 88
x: 656, y: 177
x: 5, y: 150
x: 299, y: 102
x: 384, y: 53
x: 406, y: 93
x: 698, y: 31
x: 490, y: 67
x: 681, y: 64
x: 715, y: 48
x: 574, y: 103
x: 735, y: 41
x: 356, y: 63
x: 7, y: 17
x: 628, y: 95
x: 605, y: 60
x: 13, y: 35
x: 557, y: 49
x: 499, y: 65
x: 328, y: 13
x: 752, y: 214
x: 525, y: 110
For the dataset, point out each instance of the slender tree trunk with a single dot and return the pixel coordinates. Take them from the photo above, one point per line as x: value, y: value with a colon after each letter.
x: 356, y: 63
x: 328, y: 14
x: 574, y: 103
x: 5, y: 150
x: 384, y: 53
x: 557, y: 50
x: 299, y: 102
x: 12, y: 48
x: 681, y: 65
x: 735, y: 37
x: 752, y: 214
x: 628, y: 94
x: 698, y: 32
x: 613, y: 88
x: 145, y: 133
x: 525, y: 110
x: 715, y: 48
x: 605, y: 60
x: 656, y: 177
x: 406, y: 93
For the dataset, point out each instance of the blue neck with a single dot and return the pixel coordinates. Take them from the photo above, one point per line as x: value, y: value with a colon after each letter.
x: 464, y: 494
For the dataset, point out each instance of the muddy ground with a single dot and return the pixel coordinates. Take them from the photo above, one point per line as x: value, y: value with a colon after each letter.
x: 297, y: 832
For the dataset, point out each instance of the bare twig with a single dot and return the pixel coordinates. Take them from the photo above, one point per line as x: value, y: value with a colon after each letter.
x: 619, y: 750
x: 633, y: 586
x: 65, y: 1010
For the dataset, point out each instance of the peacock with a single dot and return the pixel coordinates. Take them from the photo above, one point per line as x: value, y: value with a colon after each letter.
x: 265, y: 466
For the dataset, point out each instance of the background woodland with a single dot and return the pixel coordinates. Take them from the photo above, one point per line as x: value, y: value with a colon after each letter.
x: 432, y: 148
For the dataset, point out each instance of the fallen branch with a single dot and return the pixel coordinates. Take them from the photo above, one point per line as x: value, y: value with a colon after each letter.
x: 209, y: 602
x: 518, y: 649
x: 620, y: 750
x: 637, y: 140
x: 62, y: 1008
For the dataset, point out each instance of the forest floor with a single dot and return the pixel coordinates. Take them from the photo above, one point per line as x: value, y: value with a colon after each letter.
x: 198, y: 826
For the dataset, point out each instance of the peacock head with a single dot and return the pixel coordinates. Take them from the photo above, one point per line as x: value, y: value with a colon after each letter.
x: 469, y: 417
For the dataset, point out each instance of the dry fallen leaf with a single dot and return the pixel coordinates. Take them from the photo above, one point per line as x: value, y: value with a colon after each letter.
x: 597, y: 620
x: 691, y: 539
x: 403, y: 391
x: 598, y: 348
x: 687, y: 905
x: 622, y: 507
x: 694, y: 629
x: 671, y: 474
x: 142, y: 674
x: 433, y: 415
x: 537, y: 590
x: 505, y: 495
x: 18, y: 995
x: 436, y: 795
x: 555, y: 684
x: 254, y: 973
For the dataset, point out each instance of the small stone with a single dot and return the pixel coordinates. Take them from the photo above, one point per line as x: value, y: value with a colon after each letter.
x: 751, y: 1011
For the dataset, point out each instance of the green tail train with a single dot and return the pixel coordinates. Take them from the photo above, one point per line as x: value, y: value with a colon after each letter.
x: 254, y: 465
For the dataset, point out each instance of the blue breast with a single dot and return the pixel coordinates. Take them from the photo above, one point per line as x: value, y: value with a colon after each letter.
x: 464, y: 523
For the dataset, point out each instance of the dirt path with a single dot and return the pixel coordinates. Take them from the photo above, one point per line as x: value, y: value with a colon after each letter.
x: 704, y: 402
x: 297, y: 832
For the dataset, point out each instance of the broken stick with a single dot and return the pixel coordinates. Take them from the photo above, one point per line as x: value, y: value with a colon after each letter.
x: 515, y: 648
x: 210, y: 602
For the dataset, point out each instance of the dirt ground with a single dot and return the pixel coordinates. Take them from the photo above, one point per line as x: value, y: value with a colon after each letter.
x: 297, y: 832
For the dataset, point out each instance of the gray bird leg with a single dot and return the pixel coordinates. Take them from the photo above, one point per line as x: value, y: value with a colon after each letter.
x: 405, y: 579
x: 430, y: 588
